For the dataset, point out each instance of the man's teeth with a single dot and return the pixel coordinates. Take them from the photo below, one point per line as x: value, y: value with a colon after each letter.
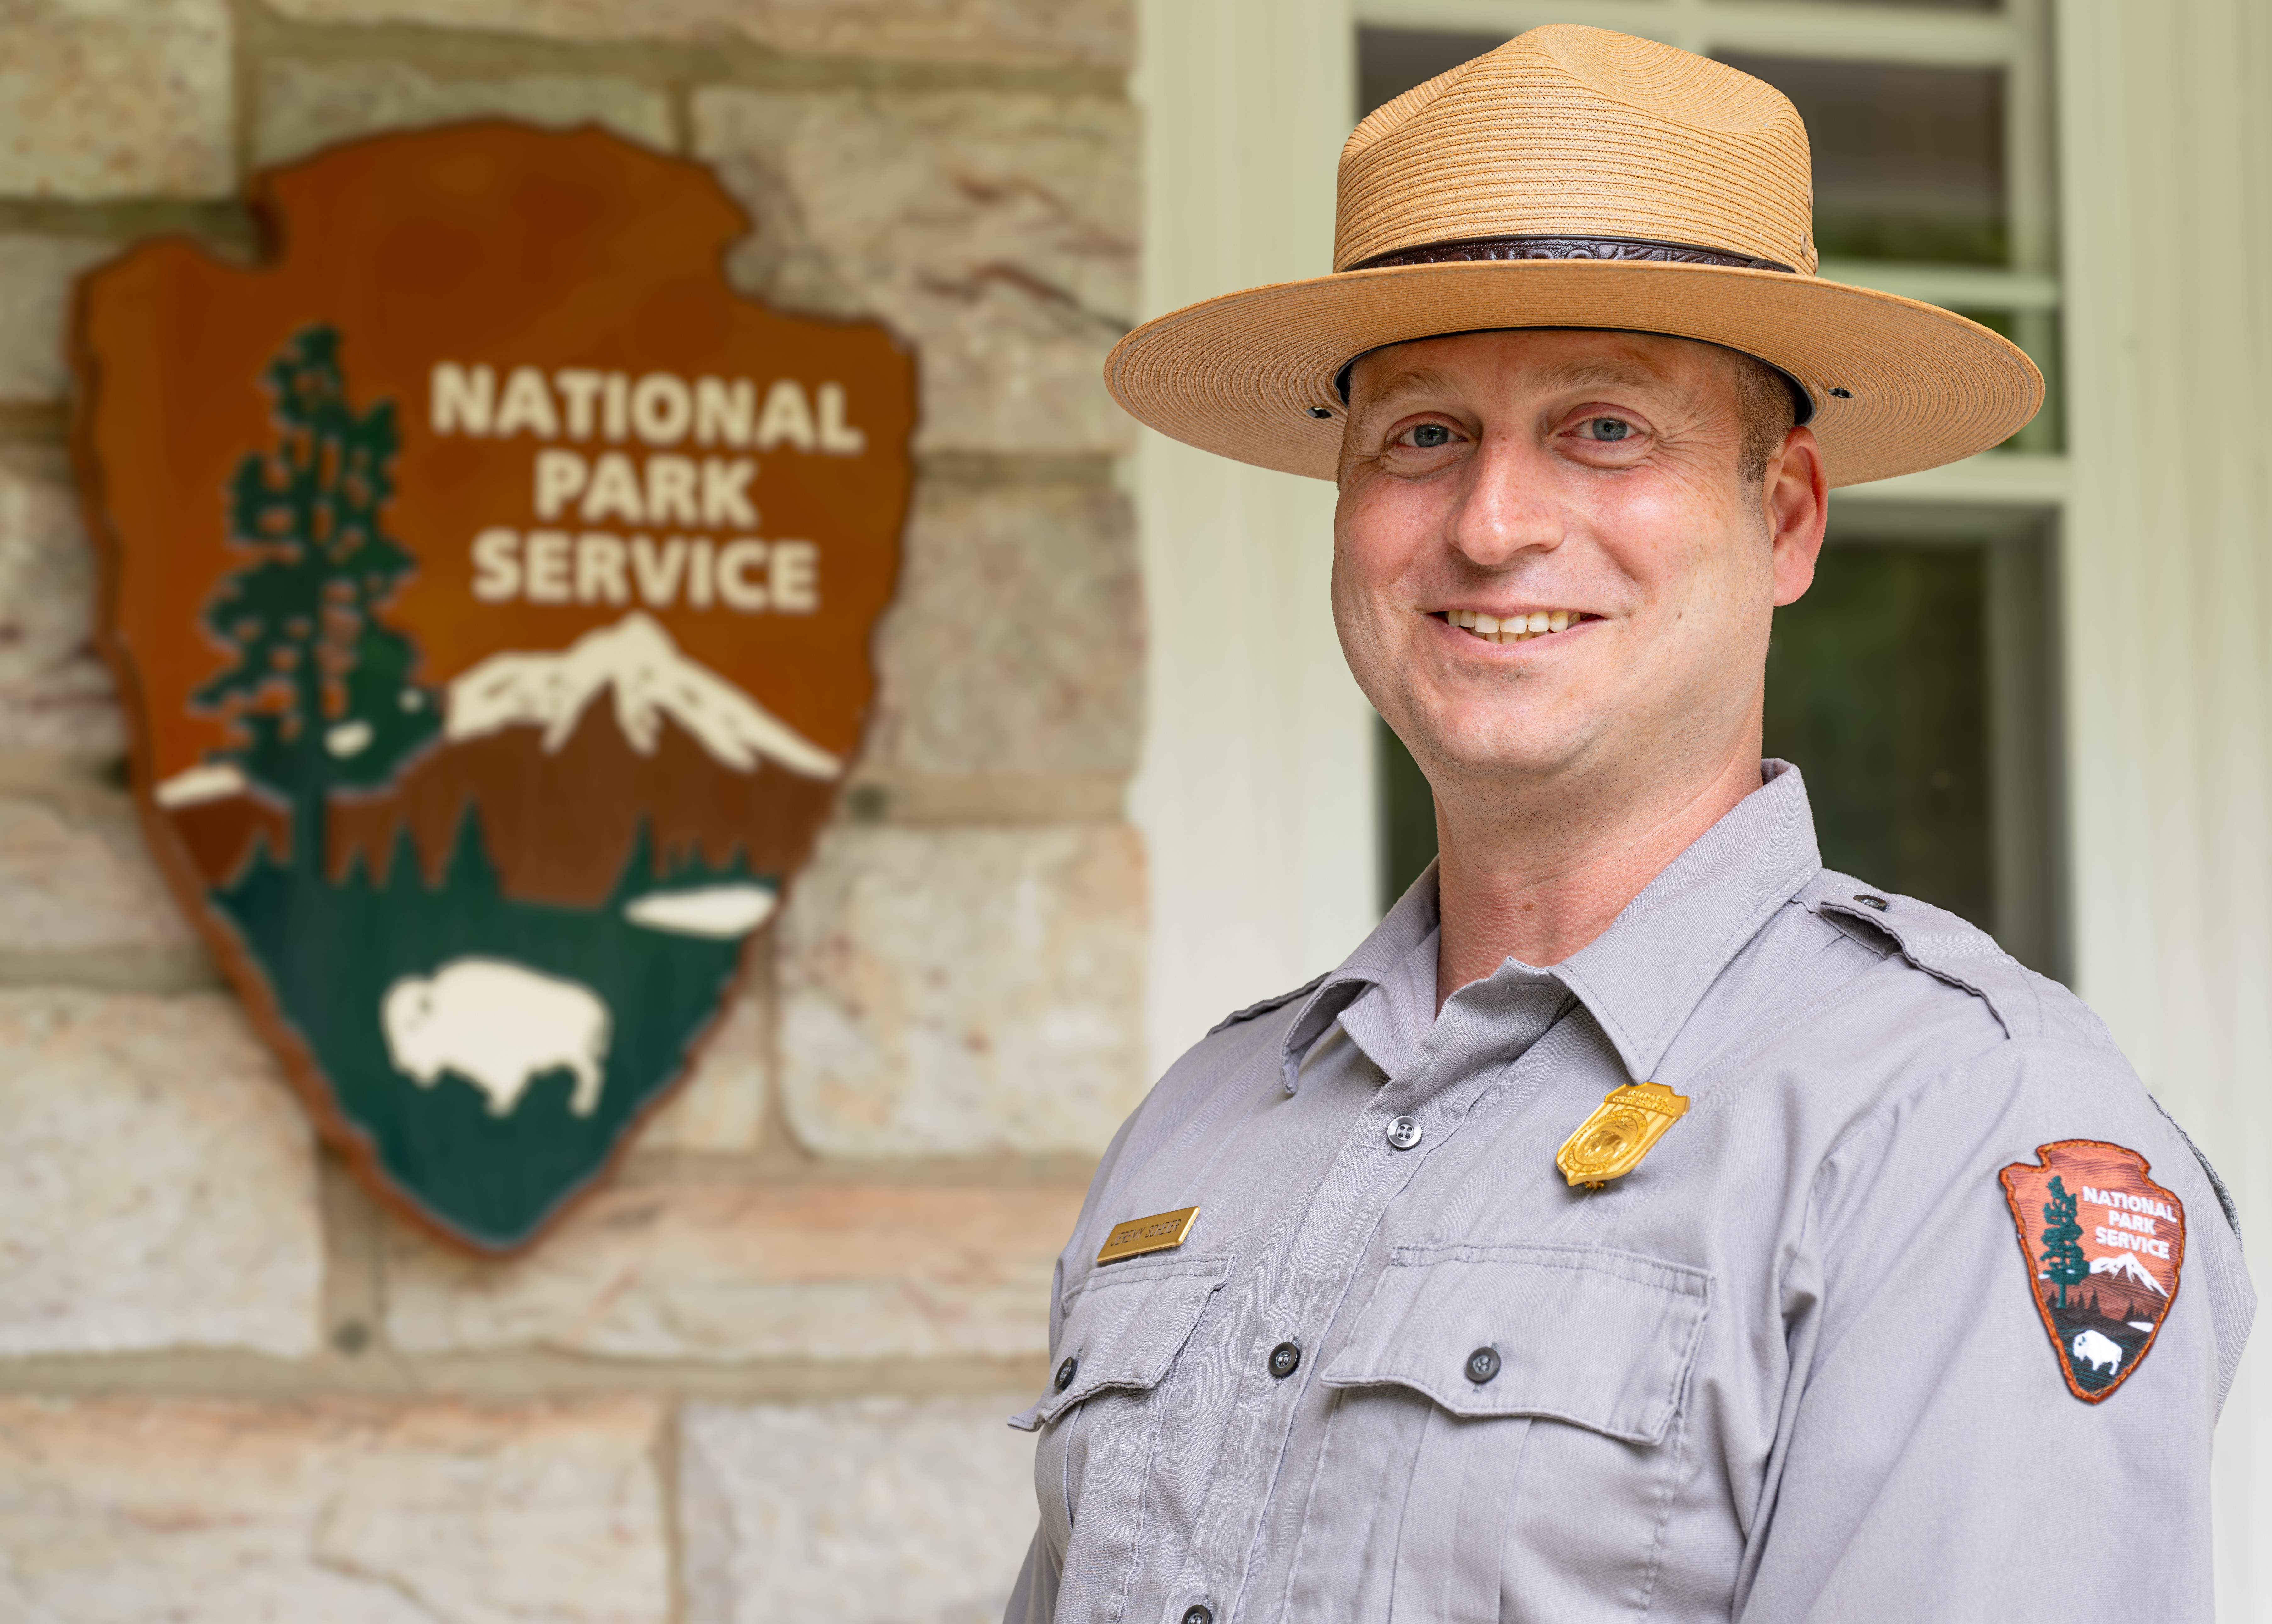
x: 1514, y: 628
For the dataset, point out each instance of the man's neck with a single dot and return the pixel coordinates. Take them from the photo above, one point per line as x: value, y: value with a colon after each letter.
x: 1535, y: 876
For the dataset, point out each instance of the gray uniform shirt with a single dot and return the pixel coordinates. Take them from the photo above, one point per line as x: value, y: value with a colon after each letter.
x: 1790, y: 1368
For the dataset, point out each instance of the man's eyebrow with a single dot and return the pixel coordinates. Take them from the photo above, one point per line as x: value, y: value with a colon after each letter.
x: 1412, y: 379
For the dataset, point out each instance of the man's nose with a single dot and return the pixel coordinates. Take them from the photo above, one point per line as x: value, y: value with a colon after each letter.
x: 1505, y: 508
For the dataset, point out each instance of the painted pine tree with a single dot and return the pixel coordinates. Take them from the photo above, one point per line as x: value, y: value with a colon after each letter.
x: 2063, y: 1258
x: 320, y: 697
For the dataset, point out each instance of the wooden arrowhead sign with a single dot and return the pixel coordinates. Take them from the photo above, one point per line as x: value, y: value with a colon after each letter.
x: 490, y: 587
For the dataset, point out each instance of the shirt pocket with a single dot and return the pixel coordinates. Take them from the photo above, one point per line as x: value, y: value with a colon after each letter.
x: 1125, y: 1329
x: 1597, y: 1339
x: 1122, y: 1327
x: 1566, y: 1367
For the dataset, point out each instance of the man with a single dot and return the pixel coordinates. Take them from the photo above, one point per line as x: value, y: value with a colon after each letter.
x: 1644, y: 1222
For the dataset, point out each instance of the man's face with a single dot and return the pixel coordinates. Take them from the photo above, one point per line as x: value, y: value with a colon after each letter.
x: 1593, y: 478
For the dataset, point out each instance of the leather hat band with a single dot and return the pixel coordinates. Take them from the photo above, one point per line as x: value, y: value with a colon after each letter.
x: 1571, y: 248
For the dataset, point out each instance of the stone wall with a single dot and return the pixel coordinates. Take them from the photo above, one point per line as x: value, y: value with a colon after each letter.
x: 764, y: 1375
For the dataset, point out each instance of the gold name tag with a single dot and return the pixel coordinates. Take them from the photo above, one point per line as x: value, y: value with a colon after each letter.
x: 1611, y: 1144
x: 1161, y: 1232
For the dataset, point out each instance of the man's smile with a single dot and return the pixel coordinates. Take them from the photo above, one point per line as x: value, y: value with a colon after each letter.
x: 1517, y: 626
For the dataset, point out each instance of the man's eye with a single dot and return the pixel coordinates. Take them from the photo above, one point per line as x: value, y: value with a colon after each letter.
x: 1607, y: 429
x: 1429, y: 434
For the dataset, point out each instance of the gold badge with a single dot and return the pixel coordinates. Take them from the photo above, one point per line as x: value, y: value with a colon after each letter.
x: 1163, y: 1232
x: 1611, y: 1144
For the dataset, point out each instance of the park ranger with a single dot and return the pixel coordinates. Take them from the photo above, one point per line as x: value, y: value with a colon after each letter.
x: 1644, y: 1221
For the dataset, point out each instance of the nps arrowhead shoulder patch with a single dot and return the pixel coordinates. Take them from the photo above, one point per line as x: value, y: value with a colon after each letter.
x: 490, y: 588
x: 2104, y: 1246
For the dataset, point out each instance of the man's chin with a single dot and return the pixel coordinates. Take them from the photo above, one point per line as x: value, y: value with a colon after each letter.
x: 1512, y: 755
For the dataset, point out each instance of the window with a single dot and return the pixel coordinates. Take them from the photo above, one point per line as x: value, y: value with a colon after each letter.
x: 1914, y: 685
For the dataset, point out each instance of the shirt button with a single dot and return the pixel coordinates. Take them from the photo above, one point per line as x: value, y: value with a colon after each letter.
x: 1065, y: 1372
x: 1403, y: 1133
x: 1877, y: 903
x: 1483, y: 1365
x: 1285, y: 1359
x: 1199, y: 1616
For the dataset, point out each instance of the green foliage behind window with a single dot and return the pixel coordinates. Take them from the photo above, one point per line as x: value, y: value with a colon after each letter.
x: 1878, y: 691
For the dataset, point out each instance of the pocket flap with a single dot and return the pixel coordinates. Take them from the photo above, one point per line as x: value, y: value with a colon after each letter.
x: 1125, y: 1325
x: 1599, y: 1338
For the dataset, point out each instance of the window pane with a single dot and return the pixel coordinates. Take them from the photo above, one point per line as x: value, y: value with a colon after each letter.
x: 1909, y: 161
x: 1912, y: 685
x: 1877, y: 691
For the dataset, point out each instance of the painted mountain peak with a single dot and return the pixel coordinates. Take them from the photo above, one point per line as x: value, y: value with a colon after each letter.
x: 651, y: 680
x: 2125, y: 1266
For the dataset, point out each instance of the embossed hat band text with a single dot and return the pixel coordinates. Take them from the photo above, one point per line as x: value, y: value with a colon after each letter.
x: 1572, y: 248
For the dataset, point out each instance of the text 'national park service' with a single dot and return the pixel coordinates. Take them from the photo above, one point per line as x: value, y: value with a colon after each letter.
x: 681, y: 513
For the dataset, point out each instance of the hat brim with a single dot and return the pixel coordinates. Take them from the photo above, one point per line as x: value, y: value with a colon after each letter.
x: 1241, y: 374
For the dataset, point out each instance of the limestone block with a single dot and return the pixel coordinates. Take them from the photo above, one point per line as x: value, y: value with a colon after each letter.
x: 81, y: 880
x: 961, y: 991
x: 157, y: 1183
x: 720, y: 1111
x: 1016, y: 646
x: 122, y: 1511
x: 728, y: 1272
x: 307, y: 105
x: 1097, y: 33
x: 36, y: 285
x: 996, y: 232
x: 54, y: 695
x: 104, y: 100
x: 869, y: 1511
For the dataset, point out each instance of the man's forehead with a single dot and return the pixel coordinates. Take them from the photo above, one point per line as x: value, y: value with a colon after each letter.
x: 1551, y: 359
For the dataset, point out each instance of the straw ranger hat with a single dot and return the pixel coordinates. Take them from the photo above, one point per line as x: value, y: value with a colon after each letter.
x: 1578, y: 178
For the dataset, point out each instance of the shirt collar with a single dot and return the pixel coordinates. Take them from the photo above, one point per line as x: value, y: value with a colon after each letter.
x: 1643, y: 977
x: 1409, y: 924
x: 1391, y: 1022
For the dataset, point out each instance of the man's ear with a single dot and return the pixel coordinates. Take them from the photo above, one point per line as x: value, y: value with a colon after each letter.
x: 1796, y: 497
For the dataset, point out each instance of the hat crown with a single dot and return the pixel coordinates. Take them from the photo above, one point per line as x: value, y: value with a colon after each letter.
x: 1575, y: 132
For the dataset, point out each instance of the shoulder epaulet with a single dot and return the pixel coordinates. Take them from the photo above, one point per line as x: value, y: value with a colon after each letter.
x: 1954, y: 950
x: 1268, y: 1003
